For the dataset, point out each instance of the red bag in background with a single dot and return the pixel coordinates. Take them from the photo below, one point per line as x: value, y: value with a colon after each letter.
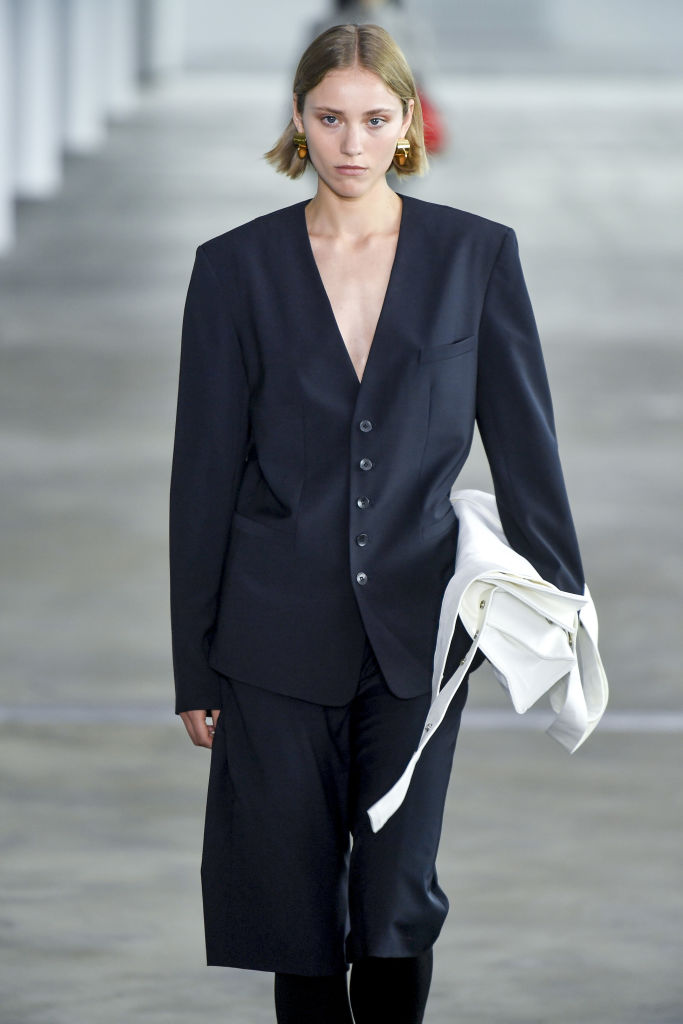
x: 435, y: 129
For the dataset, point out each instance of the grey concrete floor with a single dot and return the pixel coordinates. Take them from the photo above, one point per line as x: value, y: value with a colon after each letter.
x: 565, y: 874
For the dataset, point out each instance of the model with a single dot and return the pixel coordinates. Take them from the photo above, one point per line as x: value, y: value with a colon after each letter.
x: 335, y: 358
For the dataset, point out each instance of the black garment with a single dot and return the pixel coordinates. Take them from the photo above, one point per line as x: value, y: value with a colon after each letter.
x: 290, y: 780
x: 391, y: 990
x: 302, y: 1000
x: 308, y: 509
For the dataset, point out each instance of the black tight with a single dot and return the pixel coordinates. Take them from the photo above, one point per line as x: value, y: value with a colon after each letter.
x: 303, y: 1000
x: 392, y: 990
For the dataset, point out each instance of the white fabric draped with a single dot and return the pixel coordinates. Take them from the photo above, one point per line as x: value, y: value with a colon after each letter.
x: 537, y: 638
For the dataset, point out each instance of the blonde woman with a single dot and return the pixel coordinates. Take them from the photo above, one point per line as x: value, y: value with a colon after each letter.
x: 335, y: 357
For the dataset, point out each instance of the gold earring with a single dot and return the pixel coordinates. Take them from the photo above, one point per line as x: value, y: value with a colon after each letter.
x: 402, y: 151
x: 299, y: 140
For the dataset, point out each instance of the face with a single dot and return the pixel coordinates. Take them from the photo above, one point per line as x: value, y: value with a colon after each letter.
x: 352, y: 122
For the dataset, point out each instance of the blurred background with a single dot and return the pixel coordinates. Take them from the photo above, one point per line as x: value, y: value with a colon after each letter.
x: 133, y: 130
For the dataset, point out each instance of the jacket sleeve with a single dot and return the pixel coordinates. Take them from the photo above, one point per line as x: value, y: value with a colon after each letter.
x: 516, y: 423
x: 208, y: 457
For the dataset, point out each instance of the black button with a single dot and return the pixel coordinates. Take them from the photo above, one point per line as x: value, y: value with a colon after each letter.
x: 363, y: 501
x: 365, y: 464
x: 365, y: 426
x: 362, y: 539
x: 361, y: 578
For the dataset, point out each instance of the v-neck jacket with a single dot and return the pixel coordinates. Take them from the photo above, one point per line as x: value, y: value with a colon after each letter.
x: 308, y: 509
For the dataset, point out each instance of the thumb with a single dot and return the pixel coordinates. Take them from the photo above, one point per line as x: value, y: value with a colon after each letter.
x: 213, y: 715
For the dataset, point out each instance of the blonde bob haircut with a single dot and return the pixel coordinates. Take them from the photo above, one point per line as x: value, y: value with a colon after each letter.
x: 345, y: 46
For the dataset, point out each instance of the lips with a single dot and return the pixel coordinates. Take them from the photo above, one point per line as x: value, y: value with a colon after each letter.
x: 351, y: 169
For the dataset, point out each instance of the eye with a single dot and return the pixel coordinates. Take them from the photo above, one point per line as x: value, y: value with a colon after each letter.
x: 329, y: 119
x: 376, y: 122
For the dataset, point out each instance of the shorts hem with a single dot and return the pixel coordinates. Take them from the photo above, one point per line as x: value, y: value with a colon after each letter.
x: 274, y: 967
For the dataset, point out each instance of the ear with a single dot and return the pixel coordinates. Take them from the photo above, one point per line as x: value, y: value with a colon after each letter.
x: 296, y: 116
x: 408, y: 118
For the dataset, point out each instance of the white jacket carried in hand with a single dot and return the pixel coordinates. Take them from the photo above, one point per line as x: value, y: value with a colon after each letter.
x: 537, y: 638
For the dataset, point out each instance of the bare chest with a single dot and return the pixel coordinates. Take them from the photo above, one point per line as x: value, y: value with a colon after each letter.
x: 356, y: 282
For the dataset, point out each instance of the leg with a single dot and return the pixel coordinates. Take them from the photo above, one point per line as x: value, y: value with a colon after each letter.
x: 274, y: 868
x: 397, y: 907
x: 391, y: 988
x: 302, y: 1000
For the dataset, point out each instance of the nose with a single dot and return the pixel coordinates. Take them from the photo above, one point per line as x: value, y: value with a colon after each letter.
x: 351, y: 144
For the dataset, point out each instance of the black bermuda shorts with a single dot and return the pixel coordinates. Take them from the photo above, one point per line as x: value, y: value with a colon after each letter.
x: 293, y: 878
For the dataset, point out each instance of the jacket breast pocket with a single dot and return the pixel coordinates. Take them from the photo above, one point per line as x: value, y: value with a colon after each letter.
x: 432, y: 353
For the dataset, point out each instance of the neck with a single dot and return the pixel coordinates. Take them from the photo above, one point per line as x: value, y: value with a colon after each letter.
x: 377, y: 212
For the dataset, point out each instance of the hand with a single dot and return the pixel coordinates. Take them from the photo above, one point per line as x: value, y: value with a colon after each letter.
x: 198, y: 728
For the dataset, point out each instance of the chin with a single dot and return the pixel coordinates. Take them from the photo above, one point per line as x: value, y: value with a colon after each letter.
x: 352, y: 192
x: 346, y: 186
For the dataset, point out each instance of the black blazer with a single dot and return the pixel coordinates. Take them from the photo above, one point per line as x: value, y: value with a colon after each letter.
x: 308, y: 509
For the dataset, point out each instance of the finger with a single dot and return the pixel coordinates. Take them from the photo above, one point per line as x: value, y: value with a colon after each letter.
x: 212, y: 723
x: 197, y: 728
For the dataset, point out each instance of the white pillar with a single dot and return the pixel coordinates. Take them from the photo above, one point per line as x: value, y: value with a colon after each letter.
x: 84, y: 82
x: 6, y: 107
x: 37, y: 134
x: 162, y: 37
x: 122, y: 57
